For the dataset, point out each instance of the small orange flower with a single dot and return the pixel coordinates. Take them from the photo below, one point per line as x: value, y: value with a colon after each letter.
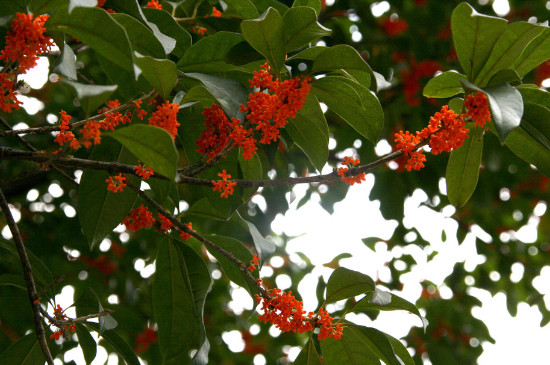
x: 254, y: 263
x: 140, y: 112
x: 350, y: 180
x: 153, y: 4
x: 166, y: 117
x: 64, y: 134
x: 117, y: 184
x: 144, y: 172
x: 164, y: 223
x: 477, y: 109
x: 139, y: 218
x: 199, y: 30
x: 8, y: 97
x: 225, y: 185
x: 184, y: 235
x: 215, y: 12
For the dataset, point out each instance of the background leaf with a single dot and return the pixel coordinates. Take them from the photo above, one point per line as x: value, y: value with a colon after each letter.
x: 345, y: 283
x: 161, y: 74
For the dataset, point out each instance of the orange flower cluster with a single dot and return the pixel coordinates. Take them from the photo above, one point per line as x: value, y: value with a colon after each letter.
x: 153, y: 4
x: 216, y: 13
x: 144, y: 172
x: 166, y: 117
x: 327, y: 329
x: 8, y: 97
x: 65, y: 135
x: 102, y: 263
x: 225, y: 185
x: 91, y: 132
x: 254, y: 263
x: 144, y: 339
x: 25, y: 41
x: 140, y: 112
x: 113, y: 119
x: 139, y: 218
x: 285, y: 312
x: 59, y: 315
x: 117, y: 184
x: 411, y: 78
x: 198, y: 30
x: 477, y: 109
x: 184, y: 235
x: 446, y: 131
x: 267, y: 111
x: 164, y: 224
x: 350, y: 180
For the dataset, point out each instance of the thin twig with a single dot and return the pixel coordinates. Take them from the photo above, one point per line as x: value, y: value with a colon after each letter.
x: 27, y: 273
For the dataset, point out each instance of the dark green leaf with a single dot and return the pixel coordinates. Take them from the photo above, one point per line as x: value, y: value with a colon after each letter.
x: 198, y: 93
x: 161, y: 74
x: 508, y: 49
x: 252, y: 170
x: 536, y: 52
x: 345, y: 283
x: 25, y: 351
x: 463, y: 168
x: 126, y: 81
x: 231, y: 269
x: 245, y: 8
x: 536, y: 122
x: 141, y: 38
x: 13, y: 280
x: 91, y: 96
x: 315, y: 4
x: 505, y: 76
x: 120, y: 346
x: 378, y: 343
x: 474, y: 36
x: 67, y: 63
x: 88, y: 303
x: 400, y: 350
x: 208, y: 55
x: 151, y: 145
x: 264, y: 248
x: 309, y: 130
x: 389, y: 302
x: 444, y: 85
x: 529, y: 149
x: 350, y: 349
x: 308, y: 355
x: 353, y: 103
x: 109, y: 39
x: 86, y: 342
x: 301, y: 27
x: 533, y: 94
x: 266, y: 35
x: 46, y: 6
x: 167, y: 25
x: 264, y: 5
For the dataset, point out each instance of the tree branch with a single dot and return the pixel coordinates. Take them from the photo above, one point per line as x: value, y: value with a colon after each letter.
x: 27, y: 273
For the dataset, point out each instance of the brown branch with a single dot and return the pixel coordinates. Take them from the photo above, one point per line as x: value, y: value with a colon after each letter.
x: 27, y: 273
x: 242, y: 266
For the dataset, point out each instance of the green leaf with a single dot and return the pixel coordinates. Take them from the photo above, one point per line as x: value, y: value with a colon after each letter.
x: 309, y: 130
x: 109, y: 39
x: 88, y: 303
x: 81, y: 3
x: 128, y: 85
x: 118, y: 344
x: 529, y: 149
x: 252, y: 170
x: 26, y: 351
x: 231, y: 269
x: 91, y: 96
x: 350, y: 349
x: 67, y: 63
x: 264, y: 5
x: 179, y: 290
x: 263, y: 247
x: 505, y: 76
x: 474, y: 36
x: 245, y: 8
x: 199, y: 93
x: 301, y: 27
x: 345, y: 283
x: 100, y: 211
x: 315, y: 4
x: 378, y: 343
x: 266, y: 35
x: 400, y: 350
x: 353, y: 103
x: 141, y: 38
x: 229, y: 93
x: 463, y: 168
x: 41, y: 272
x: 13, y: 280
x: 533, y: 94
x: 390, y: 303
x: 209, y: 54
x: 46, y: 6
x: 506, y: 106
x: 161, y: 74
x: 536, y: 52
x: 152, y: 145
x: 444, y: 85
x: 308, y: 355
x: 86, y: 342
x: 508, y: 49
x: 536, y: 122
x: 168, y: 25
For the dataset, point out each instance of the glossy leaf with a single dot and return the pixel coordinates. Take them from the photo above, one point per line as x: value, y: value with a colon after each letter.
x: 151, y: 145
x: 534, y: 95
x: 161, y: 74
x: 394, y: 303
x: 100, y: 211
x: 529, y: 149
x: 119, y: 345
x: 208, y: 55
x: 86, y: 342
x: 231, y: 269
x: 141, y: 37
x: 81, y: 3
x: 400, y: 350
x: 91, y: 96
x: 266, y: 35
x: 88, y: 303
x: 13, y: 280
x: 179, y: 290
x: 444, y: 85
x: 301, y: 27
x: 350, y: 349
x: 67, y: 63
x: 109, y: 39
x: 345, y: 283
x: 308, y: 355
x: 309, y: 130
x: 245, y: 8
x: 463, y: 168
x: 474, y: 36
x: 353, y: 103
x: 508, y: 49
x: 379, y: 344
x: 26, y: 351
x: 198, y: 93
x: 505, y: 76
x: 536, y: 122
x: 264, y: 247
x: 536, y: 52
x: 315, y: 4
x: 168, y: 25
